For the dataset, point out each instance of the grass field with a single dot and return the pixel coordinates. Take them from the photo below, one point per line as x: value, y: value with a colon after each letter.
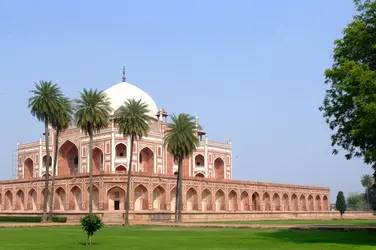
x: 371, y: 222
x: 147, y: 237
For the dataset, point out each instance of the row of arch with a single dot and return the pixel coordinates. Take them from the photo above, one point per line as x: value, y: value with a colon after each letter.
x: 159, y: 200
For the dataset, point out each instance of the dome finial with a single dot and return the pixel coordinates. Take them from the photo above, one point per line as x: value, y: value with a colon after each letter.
x: 124, y: 78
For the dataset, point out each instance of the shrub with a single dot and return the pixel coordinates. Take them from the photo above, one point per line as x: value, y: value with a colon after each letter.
x: 59, y: 219
x: 90, y: 224
x: 20, y: 218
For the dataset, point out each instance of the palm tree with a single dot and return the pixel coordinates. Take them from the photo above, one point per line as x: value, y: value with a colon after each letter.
x: 181, y: 141
x: 92, y: 114
x: 133, y: 120
x: 44, y: 104
x: 60, y: 122
x: 367, y: 182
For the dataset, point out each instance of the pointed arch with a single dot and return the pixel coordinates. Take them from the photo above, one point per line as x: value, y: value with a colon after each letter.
x: 116, y: 198
x: 68, y: 159
x: 220, y: 204
x: 219, y: 168
x: 48, y: 196
x: 20, y: 200
x: 206, y: 200
x: 294, y: 202
x: 244, y: 201
x: 44, y: 160
x: 199, y: 160
x: 98, y: 160
x: 141, y: 198
x: 266, y: 201
x: 317, y: 203
x: 285, y: 202
x: 200, y: 175
x: 173, y: 199
x: 121, y: 150
x: 256, y: 204
x: 192, y: 199
x: 60, y: 199
x: 28, y: 168
x: 233, y: 201
x: 310, y: 203
x: 146, y: 160
x: 159, y: 198
x: 325, y: 203
x: 8, y: 204
x: 121, y: 169
x: 302, y: 203
x: 95, y: 197
x: 76, y: 198
x: 276, y: 202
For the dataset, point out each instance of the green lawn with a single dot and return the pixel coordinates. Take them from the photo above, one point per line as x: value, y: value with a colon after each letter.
x: 147, y: 237
x: 371, y: 222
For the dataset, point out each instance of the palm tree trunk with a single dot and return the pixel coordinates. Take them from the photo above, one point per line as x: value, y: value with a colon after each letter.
x: 367, y: 197
x: 127, y: 195
x: 53, y: 175
x: 177, y: 196
x: 180, y: 189
x: 91, y: 171
x: 44, y: 215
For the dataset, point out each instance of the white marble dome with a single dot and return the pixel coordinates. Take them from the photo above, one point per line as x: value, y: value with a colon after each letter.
x: 123, y: 91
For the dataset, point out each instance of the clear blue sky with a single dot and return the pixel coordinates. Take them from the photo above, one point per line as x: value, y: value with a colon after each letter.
x: 251, y: 70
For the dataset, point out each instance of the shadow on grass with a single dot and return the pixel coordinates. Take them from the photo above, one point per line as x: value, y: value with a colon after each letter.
x: 93, y: 244
x: 315, y: 236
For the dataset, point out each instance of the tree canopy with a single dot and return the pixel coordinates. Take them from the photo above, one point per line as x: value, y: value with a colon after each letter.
x: 349, y: 106
x: 341, y: 205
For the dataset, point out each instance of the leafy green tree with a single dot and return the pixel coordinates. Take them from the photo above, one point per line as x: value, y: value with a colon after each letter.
x: 133, y: 121
x: 181, y: 141
x: 44, y: 105
x: 349, y: 106
x: 367, y: 182
x: 60, y: 122
x: 90, y: 224
x: 355, y: 201
x: 341, y: 203
x: 92, y: 114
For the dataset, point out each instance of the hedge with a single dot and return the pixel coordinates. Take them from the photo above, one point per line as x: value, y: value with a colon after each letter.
x: 20, y: 218
x: 30, y: 219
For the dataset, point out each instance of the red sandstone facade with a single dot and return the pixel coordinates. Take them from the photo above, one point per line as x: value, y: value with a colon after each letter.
x: 207, y: 184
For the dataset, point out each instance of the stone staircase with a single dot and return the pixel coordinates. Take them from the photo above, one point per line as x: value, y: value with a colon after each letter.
x: 113, y: 218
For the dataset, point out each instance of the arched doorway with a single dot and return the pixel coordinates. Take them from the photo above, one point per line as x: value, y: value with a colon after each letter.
x: 192, y: 204
x: 68, y: 159
x: 266, y: 201
x: 325, y: 203
x: 206, y: 200
x: 294, y: 202
x: 173, y: 199
x: 76, y: 200
x: 256, y: 206
x: 45, y: 164
x: 8, y: 205
x: 121, y: 168
x: 141, y: 198
x: 97, y: 160
x: 159, y: 198
x: 302, y: 202
x: 244, y: 201
x: 28, y: 169
x: 219, y: 169
x: 310, y: 203
x: 60, y: 199
x: 200, y: 160
x: 95, y: 197
x: 285, y: 202
x: 48, y: 198
x: 20, y: 200
x: 146, y: 160
x: 317, y: 203
x: 276, y: 202
x: 233, y: 201
x: 121, y: 150
x: 220, y: 204
x: 116, y: 199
